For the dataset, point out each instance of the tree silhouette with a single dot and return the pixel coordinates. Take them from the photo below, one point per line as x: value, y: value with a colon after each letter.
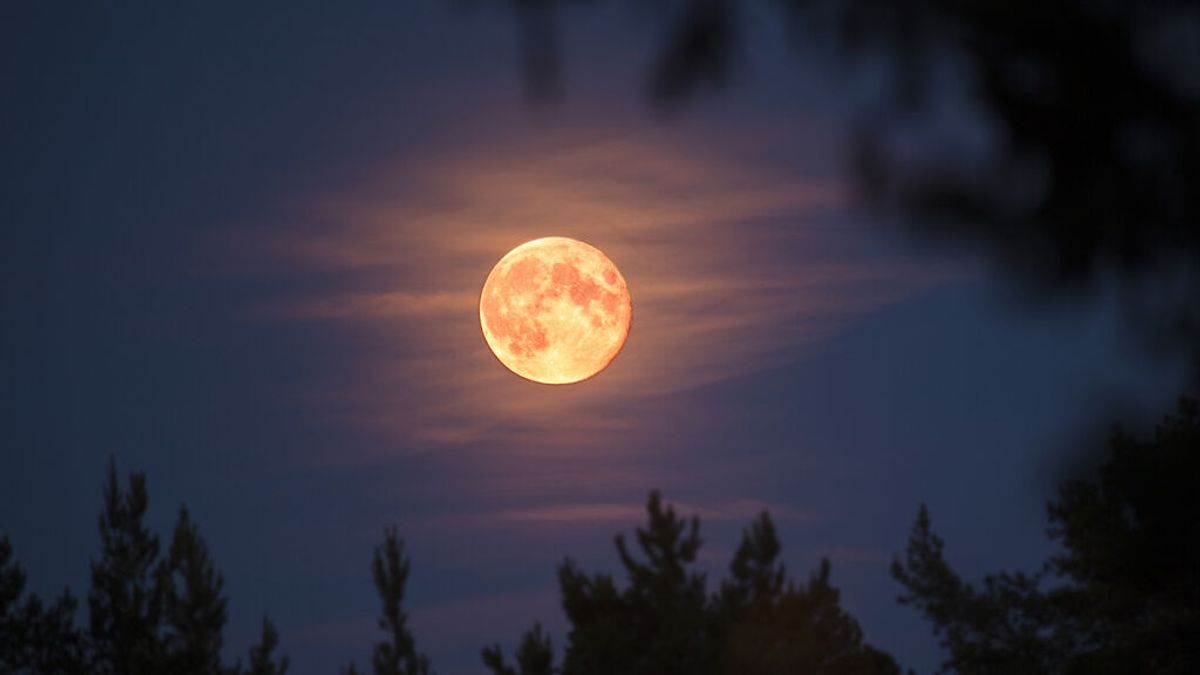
x: 661, y: 627
x: 194, y: 609
x: 777, y: 626
x: 665, y: 622
x: 1122, y: 597
x: 125, y: 600
x: 262, y: 660
x: 1007, y: 627
x: 535, y: 656
x: 397, y: 655
x: 756, y: 576
x: 146, y: 615
x: 33, y: 638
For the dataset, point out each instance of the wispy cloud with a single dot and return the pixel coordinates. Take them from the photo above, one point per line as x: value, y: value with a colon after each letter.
x: 732, y: 268
x: 615, y: 514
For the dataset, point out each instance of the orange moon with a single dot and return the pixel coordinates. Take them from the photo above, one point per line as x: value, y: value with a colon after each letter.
x: 555, y: 310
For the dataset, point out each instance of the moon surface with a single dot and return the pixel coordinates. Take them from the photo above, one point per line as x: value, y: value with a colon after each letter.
x: 555, y: 310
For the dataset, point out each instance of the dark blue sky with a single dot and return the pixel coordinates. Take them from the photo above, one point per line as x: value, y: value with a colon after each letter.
x: 239, y: 248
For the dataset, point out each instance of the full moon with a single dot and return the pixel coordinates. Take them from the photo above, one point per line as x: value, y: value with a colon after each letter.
x: 555, y: 310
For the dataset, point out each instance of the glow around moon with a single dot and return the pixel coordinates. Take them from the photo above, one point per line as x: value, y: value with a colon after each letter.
x: 555, y: 310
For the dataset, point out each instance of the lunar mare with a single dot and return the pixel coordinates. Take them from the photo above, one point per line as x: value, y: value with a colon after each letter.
x: 555, y: 310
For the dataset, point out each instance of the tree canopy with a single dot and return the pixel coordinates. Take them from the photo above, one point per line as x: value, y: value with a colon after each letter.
x: 147, y: 614
x: 665, y: 621
x: 1123, y: 595
x: 396, y: 655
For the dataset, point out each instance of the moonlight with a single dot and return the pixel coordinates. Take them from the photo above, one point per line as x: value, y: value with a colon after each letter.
x: 555, y: 310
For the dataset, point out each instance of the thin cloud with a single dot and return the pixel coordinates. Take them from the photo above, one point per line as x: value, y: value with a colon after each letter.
x: 729, y: 266
x: 616, y: 514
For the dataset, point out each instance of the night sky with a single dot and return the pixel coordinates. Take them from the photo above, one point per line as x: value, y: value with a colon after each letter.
x: 241, y: 249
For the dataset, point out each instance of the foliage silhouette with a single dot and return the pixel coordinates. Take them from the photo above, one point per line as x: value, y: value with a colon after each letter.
x: 776, y: 626
x: 1122, y: 597
x: 664, y: 621
x: 262, y: 660
x: 147, y: 615
x: 125, y: 601
x: 397, y: 655
x: 33, y: 638
x: 194, y: 610
x: 535, y: 656
x: 152, y: 615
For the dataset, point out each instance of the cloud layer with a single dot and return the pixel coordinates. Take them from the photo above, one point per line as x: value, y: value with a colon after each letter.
x: 733, y: 268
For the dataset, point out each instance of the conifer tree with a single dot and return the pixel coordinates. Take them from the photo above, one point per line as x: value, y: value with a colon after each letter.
x: 802, y: 629
x: 755, y: 575
x: 658, y: 624
x: 36, y: 639
x: 147, y: 616
x: 124, y: 601
x: 13, y: 629
x: 397, y: 655
x: 55, y: 645
x: 664, y: 621
x: 1123, y: 596
x: 535, y: 656
x: 193, y: 606
x: 262, y: 660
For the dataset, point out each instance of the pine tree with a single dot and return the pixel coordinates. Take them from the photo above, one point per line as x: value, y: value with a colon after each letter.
x: 755, y: 574
x: 146, y: 616
x: 262, y: 661
x: 13, y: 629
x: 802, y: 629
x: 36, y: 639
x: 535, y: 656
x: 1122, y: 597
x: 397, y: 655
x: 658, y: 625
x: 664, y: 622
x: 124, y: 601
x: 194, y: 609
